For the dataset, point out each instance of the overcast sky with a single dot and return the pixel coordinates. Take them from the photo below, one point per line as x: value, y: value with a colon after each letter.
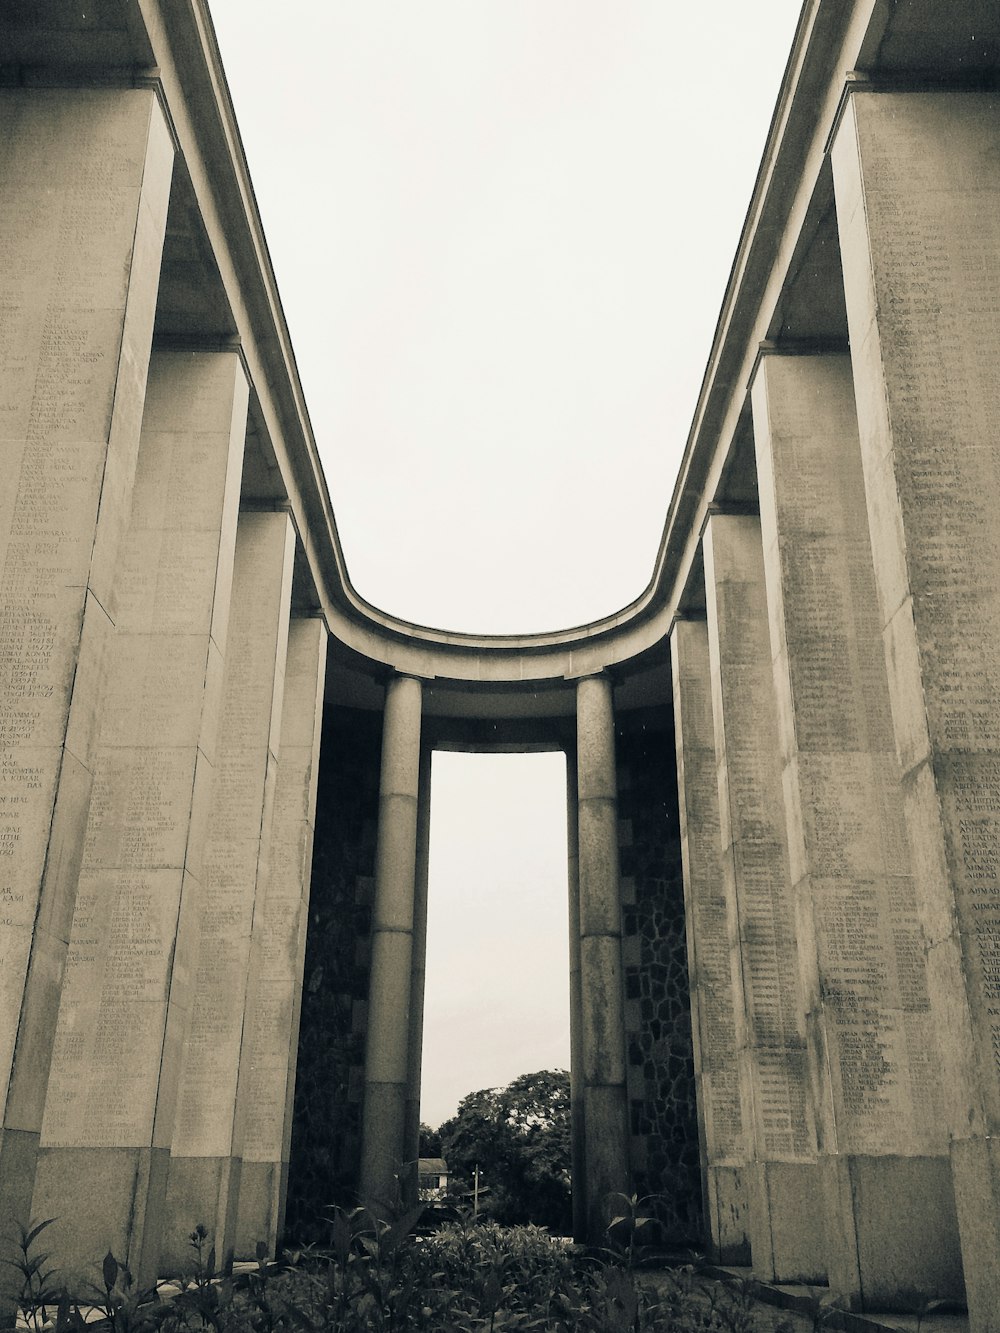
x: 502, y: 231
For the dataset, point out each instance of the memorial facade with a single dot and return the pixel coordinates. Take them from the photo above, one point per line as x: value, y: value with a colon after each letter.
x: 783, y: 759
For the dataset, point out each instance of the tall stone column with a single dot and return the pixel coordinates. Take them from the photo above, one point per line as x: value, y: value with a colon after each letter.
x: 786, y: 1231
x: 861, y: 947
x: 204, y: 1174
x: 578, y: 1151
x: 109, y: 1111
x: 714, y: 965
x: 84, y: 183
x: 277, y: 955
x: 917, y: 183
x: 601, y: 982
x: 418, y: 975
x: 387, y: 1050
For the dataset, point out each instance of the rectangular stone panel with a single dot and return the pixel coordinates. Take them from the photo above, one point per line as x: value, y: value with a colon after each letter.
x: 775, y: 1093
x: 277, y: 947
x: 84, y: 181
x: 917, y: 188
x: 126, y: 966
x: 209, y: 1121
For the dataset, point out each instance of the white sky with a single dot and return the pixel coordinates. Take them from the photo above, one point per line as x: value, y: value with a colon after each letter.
x: 502, y: 231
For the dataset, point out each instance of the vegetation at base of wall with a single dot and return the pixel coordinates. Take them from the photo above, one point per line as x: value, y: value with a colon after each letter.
x: 377, y: 1275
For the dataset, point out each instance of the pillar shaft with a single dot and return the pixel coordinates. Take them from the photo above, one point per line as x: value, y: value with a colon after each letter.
x: 601, y: 984
x: 861, y: 948
x: 207, y: 1138
x: 387, y: 1047
x: 577, y: 1092
x: 106, y: 1132
x: 85, y: 176
x: 785, y: 1227
x: 411, y: 1148
x: 267, y: 1065
x: 918, y: 200
x: 714, y: 969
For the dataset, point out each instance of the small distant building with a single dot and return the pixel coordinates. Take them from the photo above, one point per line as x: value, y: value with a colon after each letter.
x: 432, y: 1179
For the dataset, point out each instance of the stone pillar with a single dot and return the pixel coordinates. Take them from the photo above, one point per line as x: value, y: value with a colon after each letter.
x: 861, y: 948
x: 267, y: 1065
x: 204, y: 1174
x: 108, y: 1115
x: 387, y: 1049
x: 84, y: 183
x: 603, y: 1005
x: 917, y: 183
x: 786, y: 1231
x: 411, y: 1145
x: 578, y: 1153
x: 714, y: 967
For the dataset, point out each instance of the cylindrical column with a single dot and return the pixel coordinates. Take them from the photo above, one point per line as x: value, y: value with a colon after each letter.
x: 861, y: 950
x: 207, y: 1137
x: 267, y: 1065
x: 387, y: 1046
x: 578, y: 1148
x: 917, y: 182
x: 786, y: 1227
x: 603, y: 1006
x: 714, y: 967
x: 411, y: 1147
x: 125, y: 996
x: 85, y: 176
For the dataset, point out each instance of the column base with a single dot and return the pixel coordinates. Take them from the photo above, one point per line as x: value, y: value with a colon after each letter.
x: 382, y: 1144
x: 976, y: 1173
x: 891, y: 1230
x: 728, y: 1192
x: 787, y: 1234
x: 606, y: 1156
x: 18, y: 1155
x: 205, y: 1191
x: 261, y: 1208
x: 102, y: 1199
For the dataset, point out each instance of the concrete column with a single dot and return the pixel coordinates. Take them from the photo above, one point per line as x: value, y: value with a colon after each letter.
x: 861, y: 948
x: 418, y: 972
x: 204, y: 1173
x: 84, y: 179
x: 917, y: 183
x: 267, y: 1065
x: 109, y: 1110
x: 714, y: 964
x: 387, y: 1049
x: 578, y: 1149
x: 786, y: 1231
x: 603, y: 1005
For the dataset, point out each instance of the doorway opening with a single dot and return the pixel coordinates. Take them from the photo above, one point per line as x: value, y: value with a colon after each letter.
x: 496, y: 1005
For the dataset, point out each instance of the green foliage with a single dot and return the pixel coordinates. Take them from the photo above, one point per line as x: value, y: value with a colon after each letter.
x: 378, y: 1276
x: 520, y: 1138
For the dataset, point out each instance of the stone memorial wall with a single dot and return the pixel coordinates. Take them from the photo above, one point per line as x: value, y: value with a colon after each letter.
x: 798, y: 1045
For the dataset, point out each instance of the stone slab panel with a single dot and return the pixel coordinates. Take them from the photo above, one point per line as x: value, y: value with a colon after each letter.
x: 898, y: 1215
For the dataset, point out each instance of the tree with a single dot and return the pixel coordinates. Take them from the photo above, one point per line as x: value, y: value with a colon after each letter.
x: 520, y: 1138
x: 430, y: 1141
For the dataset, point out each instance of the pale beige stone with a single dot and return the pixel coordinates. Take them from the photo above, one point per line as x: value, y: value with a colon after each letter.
x: 714, y: 1000
x: 81, y: 226
x: 271, y: 1033
x: 925, y: 333
x: 387, y: 1060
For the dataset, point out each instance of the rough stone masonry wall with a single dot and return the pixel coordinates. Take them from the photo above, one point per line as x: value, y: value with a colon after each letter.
x: 660, y: 1070
x: 326, y: 1131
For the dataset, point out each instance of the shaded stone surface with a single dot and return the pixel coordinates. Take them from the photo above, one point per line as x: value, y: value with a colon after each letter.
x: 663, y: 1121
x: 326, y: 1128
